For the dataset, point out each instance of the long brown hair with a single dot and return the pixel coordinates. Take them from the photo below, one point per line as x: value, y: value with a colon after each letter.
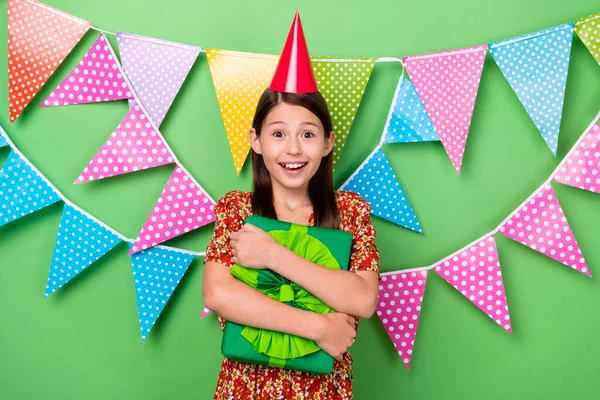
x: 320, y: 186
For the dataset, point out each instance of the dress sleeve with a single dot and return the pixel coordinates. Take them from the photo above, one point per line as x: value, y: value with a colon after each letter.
x: 364, y: 255
x: 228, y: 219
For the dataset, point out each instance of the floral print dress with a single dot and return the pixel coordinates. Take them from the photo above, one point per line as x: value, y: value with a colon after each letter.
x: 239, y: 380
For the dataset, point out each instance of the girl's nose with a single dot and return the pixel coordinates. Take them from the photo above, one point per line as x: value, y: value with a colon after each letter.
x: 293, y: 146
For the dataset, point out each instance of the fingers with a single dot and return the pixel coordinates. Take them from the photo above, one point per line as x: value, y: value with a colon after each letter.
x: 251, y: 228
x: 351, y: 320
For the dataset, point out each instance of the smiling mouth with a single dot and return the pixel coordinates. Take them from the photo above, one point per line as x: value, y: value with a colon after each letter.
x: 293, y: 167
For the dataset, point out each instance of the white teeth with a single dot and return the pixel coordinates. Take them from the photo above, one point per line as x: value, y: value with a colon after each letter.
x: 294, y: 165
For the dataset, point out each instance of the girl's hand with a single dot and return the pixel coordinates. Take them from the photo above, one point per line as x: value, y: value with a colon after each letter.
x: 251, y: 247
x: 337, y: 334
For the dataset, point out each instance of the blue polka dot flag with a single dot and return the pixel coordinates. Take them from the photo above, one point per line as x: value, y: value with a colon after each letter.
x: 156, y: 272
x: 408, y: 121
x: 80, y: 242
x: 536, y: 67
x: 22, y: 190
x: 3, y: 142
x: 376, y: 182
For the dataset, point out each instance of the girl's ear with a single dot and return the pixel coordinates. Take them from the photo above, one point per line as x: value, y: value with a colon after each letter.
x: 254, y: 141
x: 329, y: 143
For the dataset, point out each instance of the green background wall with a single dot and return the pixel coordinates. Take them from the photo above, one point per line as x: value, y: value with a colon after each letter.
x: 84, y: 341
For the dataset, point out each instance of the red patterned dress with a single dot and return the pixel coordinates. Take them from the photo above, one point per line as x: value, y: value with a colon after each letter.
x: 238, y: 380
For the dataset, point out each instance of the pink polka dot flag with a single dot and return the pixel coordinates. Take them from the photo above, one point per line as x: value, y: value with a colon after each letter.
x: 475, y: 272
x: 205, y: 312
x: 581, y: 168
x: 400, y: 299
x: 133, y: 146
x: 182, y: 207
x: 541, y: 225
x: 96, y: 78
x: 39, y: 39
x: 447, y: 83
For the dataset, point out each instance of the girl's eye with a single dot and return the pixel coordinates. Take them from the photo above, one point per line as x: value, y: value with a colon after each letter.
x: 309, y: 134
x: 278, y: 134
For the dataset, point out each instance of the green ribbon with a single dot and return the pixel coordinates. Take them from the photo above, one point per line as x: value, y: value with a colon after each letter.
x: 281, y: 346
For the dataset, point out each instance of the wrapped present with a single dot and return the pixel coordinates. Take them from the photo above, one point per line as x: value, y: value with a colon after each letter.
x: 329, y: 248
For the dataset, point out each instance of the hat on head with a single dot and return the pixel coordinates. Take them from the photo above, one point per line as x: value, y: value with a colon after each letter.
x: 294, y: 72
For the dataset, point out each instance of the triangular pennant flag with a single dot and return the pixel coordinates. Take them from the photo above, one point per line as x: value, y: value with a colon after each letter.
x: 156, y: 273
x: 205, y: 312
x: 449, y: 98
x: 408, y: 121
x: 156, y: 69
x: 96, y: 78
x: 399, y: 307
x: 588, y: 30
x: 541, y: 225
x: 342, y: 84
x: 81, y: 241
x: 133, y: 146
x: 3, y: 142
x: 475, y: 272
x: 536, y: 67
x: 22, y: 190
x: 239, y: 79
x: 39, y: 39
x: 581, y: 168
x: 182, y: 207
x: 376, y: 182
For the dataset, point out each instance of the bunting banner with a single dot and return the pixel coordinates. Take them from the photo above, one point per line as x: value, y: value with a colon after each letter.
x: 449, y: 97
x: 80, y: 242
x: 475, y: 273
x: 407, y: 120
x: 36, y: 48
x: 3, y: 142
x: 399, y: 307
x: 134, y: 145
x: 182, y: 207
x: 536, y: 67
x: 581, y: 168
x: 156, y: 273
x: 156, y: 69
x: 96, y: 78
x: 376, y: 182
x: 541, y: 225
x: 588, y: 30
x: 22, y: 190
x: 205, y: 312
x: 239, y: 79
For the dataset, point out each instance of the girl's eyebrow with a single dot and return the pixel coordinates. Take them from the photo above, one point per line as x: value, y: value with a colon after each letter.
x: 277, y: 122
x: 304, y: 123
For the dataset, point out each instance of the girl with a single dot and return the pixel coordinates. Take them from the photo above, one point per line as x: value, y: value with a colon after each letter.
x: 291, y: 140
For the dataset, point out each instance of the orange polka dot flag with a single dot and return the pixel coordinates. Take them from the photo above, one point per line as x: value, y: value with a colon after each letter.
x: 39, y: 39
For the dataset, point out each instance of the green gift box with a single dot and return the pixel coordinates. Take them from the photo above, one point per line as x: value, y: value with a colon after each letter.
x: 329, y: 248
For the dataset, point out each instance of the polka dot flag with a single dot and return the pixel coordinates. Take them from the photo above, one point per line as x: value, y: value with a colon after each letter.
x: 399, y: 307
x: 536, y: 67
x: 96, y: 78
x: 3, y: 142
x: 475, y: 273
x: 447, y: 84
x: 376, y: 182
x: 581, y: 168
x: 182, y: 207
x: 156, y: 274
x: 39, y: 39
x: 408, y: 121
x: 80, y: 242
x: 205, y: 312
x: 541, y: 225
x: 133, y: 146
x: 588, y: 30
x: 22, y: 190
x: 156, y: 69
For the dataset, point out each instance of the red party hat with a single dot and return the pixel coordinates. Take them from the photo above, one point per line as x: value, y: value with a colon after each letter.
x: 294, y: 73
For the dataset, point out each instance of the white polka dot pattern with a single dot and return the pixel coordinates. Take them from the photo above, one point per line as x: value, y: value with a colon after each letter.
x: 182, y: 207
x: 22, y: 190
x: 536, y: 67
x: 156, y: 274
x: 133, y: 146
x: 80, y: 242
x: 39, y: 39
x: 96, y: 78
x: 541, y: 225
x: 447, y: 84
x: 582, y: 168
x: 475, y: 273
x: 205, y: 312
x: 156, y: 69
x: 588, y: 30
x: 399, y: 307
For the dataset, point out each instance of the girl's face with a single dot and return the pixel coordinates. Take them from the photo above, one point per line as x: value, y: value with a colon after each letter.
x: 292, y: 142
